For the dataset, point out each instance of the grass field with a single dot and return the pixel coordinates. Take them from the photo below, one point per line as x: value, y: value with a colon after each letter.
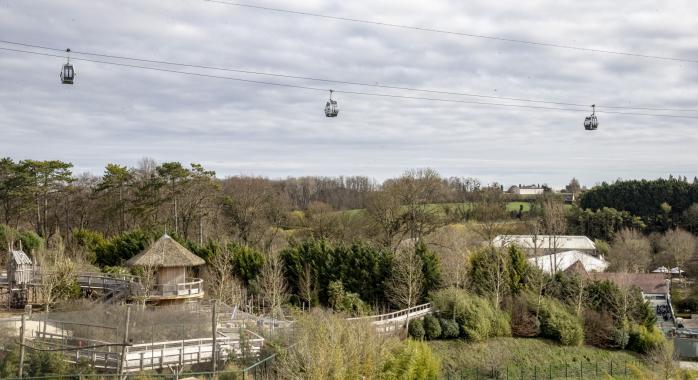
x: 531, y: 357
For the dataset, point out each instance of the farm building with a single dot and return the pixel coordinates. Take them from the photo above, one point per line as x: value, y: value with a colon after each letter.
x: 562, y: 261
x: 547, y: 244
x: 165, y: 265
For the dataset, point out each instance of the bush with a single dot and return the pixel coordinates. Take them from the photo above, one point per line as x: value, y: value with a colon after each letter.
x: 449, y: 328
x: 411, y: 360
x: 524, y: 322
x: 559, y: 324
x: 416, y: 329
x: 346, y: 302
x: 644, y: 340
x: 477, y: 318
x: 432, y: 328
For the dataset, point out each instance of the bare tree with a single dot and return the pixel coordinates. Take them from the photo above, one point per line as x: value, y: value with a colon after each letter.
x: 148, y: 280
x: 307, y: 284
x: 416, y: 190
x: 452, y: 244
x: 630, y: 251
x: 678, y: 245
x: 223, y: 284
x: 554, y: 224
x: 272, y: 283
x: 489, y: 212
x: 406, y: 282
x: 385, y: 213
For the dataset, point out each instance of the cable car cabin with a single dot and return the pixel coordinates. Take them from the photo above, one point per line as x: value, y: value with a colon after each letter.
x: 591, y: 123
x: 331, y: 108
x: 67, y: 74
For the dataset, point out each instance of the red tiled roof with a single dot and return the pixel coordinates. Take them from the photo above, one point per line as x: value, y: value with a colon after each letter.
x: 647, y: 282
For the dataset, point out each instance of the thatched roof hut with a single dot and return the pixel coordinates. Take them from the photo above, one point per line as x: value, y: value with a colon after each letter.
x: 165, y: 253
x: 169, y: 261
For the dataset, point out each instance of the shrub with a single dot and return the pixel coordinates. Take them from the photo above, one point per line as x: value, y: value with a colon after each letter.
x: 411, y: 360
x: 432, y: 328
x: 477, y: 318
x: 449, y: 328
x: 416, y: 329
x: 524, y: 322
x: 557, y: 323
x: 346, y: 302
x: 644, y: 340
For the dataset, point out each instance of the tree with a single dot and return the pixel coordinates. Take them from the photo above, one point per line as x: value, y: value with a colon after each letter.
x: 489, y: 273
x: 406, y: 282
x: 223, y: 284
x: 554, y: 224
x: 690, y: 218
x: 15, y: 185
x: 489, y: 211
x: 384, y: 212
x: 174, y: 173
x: 47, y: 179
x: 573, y: 187
x: 272, y: 283
x: 416, y: 190
x: 678, y: 245
x: 630, y: 251
x: 115, y: 183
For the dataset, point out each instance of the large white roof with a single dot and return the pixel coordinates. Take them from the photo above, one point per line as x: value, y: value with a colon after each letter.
x: 564, y: 260
x: 561, y: 242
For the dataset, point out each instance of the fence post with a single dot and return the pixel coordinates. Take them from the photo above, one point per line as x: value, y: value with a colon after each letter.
x: 535, y: 372
x: 611, y: 367
x: 21, y: 347
x: 550, y: 371
x: 596, y: 372
x: 565, y: 370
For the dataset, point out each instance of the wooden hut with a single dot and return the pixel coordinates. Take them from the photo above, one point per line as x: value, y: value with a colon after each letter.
x: 169, y: 261
x: 20, y: 269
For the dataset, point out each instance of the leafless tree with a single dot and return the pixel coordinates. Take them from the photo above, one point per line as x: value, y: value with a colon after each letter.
x: 406, y: 282
x: 272, y: 283
x: 223, y: 285
x: 452, y: 244
x: 554, y: 225
x: 630, y: 251
x: 307, y: 284
x: 678, y: 245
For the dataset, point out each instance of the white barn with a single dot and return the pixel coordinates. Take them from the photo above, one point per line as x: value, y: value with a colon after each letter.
x: 563, y: 260
x: 547, y: 244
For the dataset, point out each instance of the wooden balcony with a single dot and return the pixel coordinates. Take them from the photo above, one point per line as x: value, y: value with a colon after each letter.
x: 191, y: 288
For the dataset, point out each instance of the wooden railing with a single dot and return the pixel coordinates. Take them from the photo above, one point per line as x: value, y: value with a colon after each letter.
x: 192, y: 287
x: 414, y: 311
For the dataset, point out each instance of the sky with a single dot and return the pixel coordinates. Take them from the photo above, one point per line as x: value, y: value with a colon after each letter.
x: 116, y: 114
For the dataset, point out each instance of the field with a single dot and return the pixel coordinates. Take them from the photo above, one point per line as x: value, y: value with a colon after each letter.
x: 527, y: 355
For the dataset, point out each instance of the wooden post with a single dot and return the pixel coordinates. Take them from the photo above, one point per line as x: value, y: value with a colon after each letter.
x: 214, y: 342
x: 21, y: 347
x: 125, y: 342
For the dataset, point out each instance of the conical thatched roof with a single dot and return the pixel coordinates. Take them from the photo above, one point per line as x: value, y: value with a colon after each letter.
x: 165, y: 252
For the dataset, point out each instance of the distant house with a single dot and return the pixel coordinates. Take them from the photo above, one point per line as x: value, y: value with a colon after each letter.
x: 547, y: 244
x: 527, y: 190
x: 654, y: 286
x: 576, y: 261
x: 169, y: 262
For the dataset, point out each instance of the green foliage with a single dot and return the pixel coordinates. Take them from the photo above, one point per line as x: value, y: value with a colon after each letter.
x: 43, y: 363
x: 9, y: 363
x: 518, y: 270
x: 430, y: 267
x: 411, y: 360
x: 416, y: 329
x: 346, y: 302
x: 432, y: 327
x: 645, y: 198
x: 477, y: 318
x: 121, y: 248
x: 205, y: 251
x: 449, y: 328
x: 30, y: 240
x: 559, y: 324
x: 360, y: 267
x: 644, y: 340
x: 489, y: 270
x: 564, y: 287
x: 247, y: 261
x: 601, y: 223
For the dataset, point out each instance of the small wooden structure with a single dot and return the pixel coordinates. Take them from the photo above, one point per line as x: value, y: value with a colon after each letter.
x: 170, y: 262
x: 20, y: 274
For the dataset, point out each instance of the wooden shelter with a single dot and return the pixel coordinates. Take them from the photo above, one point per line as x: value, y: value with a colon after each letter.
x: 20, y: 269
x: 169, y: 261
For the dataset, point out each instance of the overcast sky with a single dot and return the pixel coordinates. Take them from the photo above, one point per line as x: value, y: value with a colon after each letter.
x: 119, y: 114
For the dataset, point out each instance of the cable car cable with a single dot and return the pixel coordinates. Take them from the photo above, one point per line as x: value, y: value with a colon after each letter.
x: 462, y: 34
x: 346, y: 91
x: 414, y: 89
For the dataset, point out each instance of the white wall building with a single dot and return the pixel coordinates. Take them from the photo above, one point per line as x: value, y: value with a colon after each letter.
x: 547, y: 244
x: 562, y: 260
